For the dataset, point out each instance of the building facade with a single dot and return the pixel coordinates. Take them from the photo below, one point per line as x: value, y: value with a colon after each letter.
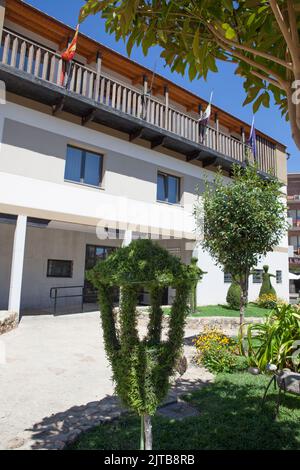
x: 293, y: 200
x: 91, y: 159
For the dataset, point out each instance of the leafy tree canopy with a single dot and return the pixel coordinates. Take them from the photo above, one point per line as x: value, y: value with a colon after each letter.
x: 260, y: 37
x: 243, y: 221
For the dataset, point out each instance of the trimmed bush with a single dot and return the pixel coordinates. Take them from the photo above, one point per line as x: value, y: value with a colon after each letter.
x: 233, y: 297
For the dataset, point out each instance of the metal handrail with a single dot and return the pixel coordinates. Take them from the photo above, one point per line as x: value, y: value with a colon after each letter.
x: 56, y: 296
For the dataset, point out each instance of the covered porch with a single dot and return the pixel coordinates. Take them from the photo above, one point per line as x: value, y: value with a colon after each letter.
x: 43, y: 262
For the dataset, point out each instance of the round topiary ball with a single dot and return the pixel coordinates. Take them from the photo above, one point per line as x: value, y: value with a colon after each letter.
x: 233, y: 297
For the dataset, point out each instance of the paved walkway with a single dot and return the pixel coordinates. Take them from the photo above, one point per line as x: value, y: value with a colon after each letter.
x: 55, y: 382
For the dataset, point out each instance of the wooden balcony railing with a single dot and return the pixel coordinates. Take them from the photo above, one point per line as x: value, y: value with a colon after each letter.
x: 30, y: 57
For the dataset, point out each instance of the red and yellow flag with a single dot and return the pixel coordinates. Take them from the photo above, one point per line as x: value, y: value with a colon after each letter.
x: 70, y: 52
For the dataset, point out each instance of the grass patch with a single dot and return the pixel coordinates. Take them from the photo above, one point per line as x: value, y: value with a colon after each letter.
x: 231, y: 418
x: 252, y: 310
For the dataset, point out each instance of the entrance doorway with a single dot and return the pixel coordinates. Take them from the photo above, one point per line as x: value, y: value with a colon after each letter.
x: 93, y: 254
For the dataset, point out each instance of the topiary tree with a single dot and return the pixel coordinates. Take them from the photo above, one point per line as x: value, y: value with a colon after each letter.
x: 234, y: 293
x: 266, y: 287
x: 244, y: 219
x: 142, y: 367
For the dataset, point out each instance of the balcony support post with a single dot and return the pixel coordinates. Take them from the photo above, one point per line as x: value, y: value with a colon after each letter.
x: 166, y: 93
x: 145, y: 98
x: 198, y: 126
x: 217, y: 132
x: 98, y: 76
x: 243, y: 141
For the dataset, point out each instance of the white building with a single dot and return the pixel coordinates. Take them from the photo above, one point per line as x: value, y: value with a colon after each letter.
x: 87, y: 166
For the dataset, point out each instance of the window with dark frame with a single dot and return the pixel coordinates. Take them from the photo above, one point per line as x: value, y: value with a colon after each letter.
x: 83, y: 166
x: 227, y: 278
x: 278, y: 277
x: 168, y: 188
x: 257, y: 276
x: 59, y: 268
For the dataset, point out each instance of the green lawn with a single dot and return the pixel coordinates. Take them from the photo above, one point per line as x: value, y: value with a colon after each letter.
x: 223, y: 311
x: 231, y: 418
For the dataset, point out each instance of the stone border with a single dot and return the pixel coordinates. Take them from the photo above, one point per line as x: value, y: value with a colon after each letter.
x: 8, y: 321
x: 229, y: 325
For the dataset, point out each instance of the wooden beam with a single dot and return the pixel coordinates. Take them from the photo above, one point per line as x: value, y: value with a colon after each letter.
x: 195, y: 155
x: 58, y: 106
x: 209, y: 161
x: 190, y: 107
x: 88, y: 117
x: 136, y: 80
x: 136, y: 134
x: 158, y: 141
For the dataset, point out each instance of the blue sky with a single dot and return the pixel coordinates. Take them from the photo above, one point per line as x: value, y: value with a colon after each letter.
x: 227, y: 87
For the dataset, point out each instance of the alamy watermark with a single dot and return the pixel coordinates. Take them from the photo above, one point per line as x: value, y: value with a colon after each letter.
x: 296, y: 93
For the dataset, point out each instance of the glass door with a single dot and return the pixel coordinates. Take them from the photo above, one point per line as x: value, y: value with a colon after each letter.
x: 93, y: 254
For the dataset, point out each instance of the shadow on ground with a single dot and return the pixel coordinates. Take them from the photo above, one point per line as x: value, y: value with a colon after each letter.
x: 229, y: 417
x: 55, y: 431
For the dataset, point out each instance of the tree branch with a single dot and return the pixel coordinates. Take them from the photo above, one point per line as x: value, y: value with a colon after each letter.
x: 254, y: 64
x: 268, y: 79
x: 242, y: 46
x: 284, y: 29
x: 292, y: 21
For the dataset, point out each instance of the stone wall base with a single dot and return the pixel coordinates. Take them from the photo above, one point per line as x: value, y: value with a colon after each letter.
x: 8, y: 321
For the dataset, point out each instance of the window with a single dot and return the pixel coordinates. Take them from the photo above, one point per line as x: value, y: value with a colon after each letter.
x: 59, y: 268
x: 96, y: 253
x: 278, y: 277
x: 257, y: 276
x: 295, y: 215
x: 227, y: 278
x: 83, y: 166
x: 175, y: 252
x: 168, y: 188
x: 294, y: 240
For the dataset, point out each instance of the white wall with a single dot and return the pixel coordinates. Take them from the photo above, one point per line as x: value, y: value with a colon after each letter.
x: 213, y: 290
x: 33, y: 161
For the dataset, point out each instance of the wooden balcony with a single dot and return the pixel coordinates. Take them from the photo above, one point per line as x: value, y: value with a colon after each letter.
x: 34, y: 71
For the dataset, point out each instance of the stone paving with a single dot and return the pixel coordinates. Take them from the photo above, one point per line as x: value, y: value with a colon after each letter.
x: 56, y: 384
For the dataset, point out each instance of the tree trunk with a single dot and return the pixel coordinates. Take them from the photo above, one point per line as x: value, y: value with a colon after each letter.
x: 294, y: 111
x: 146, y: 433
x: 142, y: 440
x: 244, y: 299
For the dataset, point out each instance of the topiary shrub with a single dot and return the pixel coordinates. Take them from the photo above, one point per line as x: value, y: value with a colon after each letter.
x: 142, y: 367
x: 266, y: 287
x: 233, y: 297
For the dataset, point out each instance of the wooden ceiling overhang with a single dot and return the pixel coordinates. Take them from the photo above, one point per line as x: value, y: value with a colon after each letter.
x: 53, y: 30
